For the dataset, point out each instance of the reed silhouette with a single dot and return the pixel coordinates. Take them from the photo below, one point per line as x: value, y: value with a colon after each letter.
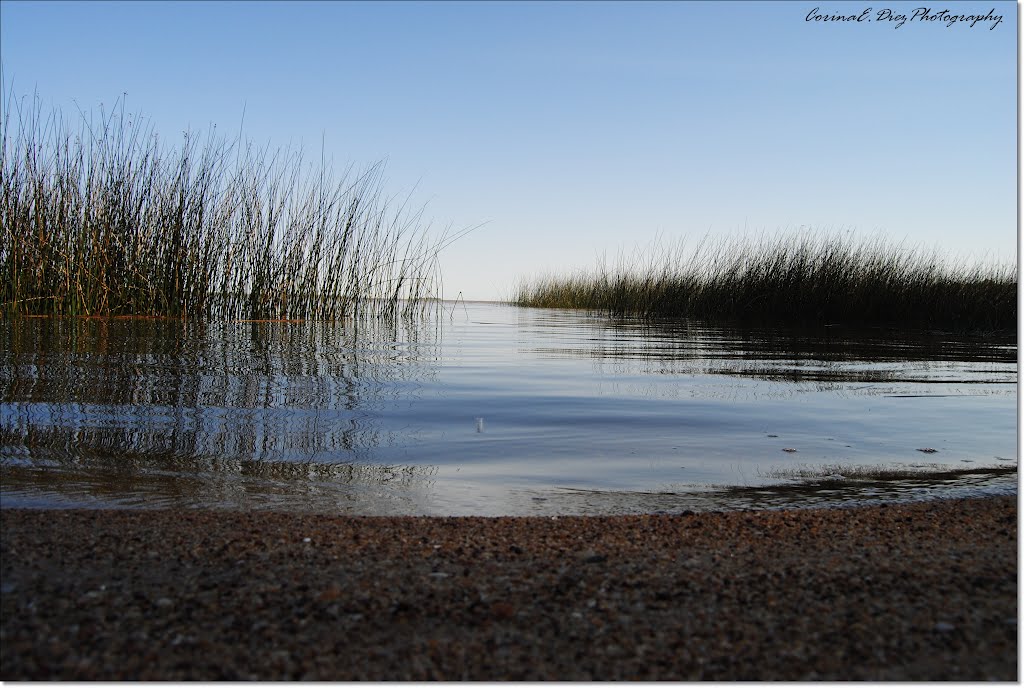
x: 105, y: 219
x: 802, y: 277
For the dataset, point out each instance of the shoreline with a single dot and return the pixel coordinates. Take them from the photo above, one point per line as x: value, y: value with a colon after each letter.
x: 910, y: 591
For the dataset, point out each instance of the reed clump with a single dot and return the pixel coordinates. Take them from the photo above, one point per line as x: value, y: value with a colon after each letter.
x: 793, y: 278
x: 104, y: 219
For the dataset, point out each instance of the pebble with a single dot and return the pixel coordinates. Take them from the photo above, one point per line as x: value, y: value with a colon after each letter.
x: 866, y: 593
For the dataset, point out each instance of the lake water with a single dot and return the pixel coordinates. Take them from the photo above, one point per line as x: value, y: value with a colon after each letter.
x: 490, y: 409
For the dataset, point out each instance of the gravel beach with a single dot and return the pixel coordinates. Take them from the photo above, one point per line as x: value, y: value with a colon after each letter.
x: 897, y: 592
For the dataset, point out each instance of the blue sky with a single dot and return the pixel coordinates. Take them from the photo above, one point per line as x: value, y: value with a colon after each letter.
x: 579, y: 129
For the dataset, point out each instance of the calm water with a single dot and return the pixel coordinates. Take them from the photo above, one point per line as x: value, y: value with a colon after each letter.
x: 491, y: 410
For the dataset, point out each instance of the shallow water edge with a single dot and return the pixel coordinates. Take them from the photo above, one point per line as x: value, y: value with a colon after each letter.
x: 497, y: 410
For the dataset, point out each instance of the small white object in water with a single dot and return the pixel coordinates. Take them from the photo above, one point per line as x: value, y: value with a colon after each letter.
x: 479, y: 424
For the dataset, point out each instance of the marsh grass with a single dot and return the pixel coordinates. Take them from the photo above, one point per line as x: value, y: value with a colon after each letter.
x: 803, y: 277
x: 104, y: 219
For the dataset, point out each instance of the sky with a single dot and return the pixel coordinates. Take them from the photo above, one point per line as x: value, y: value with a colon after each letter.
x: 568, y: 131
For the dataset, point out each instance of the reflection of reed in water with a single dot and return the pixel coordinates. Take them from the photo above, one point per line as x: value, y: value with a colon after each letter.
x: 281, y: 400
x: 358, y: 489
x: 828, y: 357
x: 866, y: 485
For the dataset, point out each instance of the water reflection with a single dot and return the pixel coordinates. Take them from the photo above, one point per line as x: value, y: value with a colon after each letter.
x: 831, y: 355
x: 822, y: 493
x: 485, y: 409
x: 188, y: 396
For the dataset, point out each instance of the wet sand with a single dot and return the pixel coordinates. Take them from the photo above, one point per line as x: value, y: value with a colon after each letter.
x: 898, y: 592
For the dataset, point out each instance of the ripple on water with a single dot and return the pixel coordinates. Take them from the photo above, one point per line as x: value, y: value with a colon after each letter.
x: 504, y: 410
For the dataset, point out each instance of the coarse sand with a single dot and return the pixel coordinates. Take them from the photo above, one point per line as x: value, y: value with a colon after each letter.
x: 897, y: 592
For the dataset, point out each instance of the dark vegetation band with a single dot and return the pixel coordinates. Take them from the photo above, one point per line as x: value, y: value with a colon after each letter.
x: 804, y: 277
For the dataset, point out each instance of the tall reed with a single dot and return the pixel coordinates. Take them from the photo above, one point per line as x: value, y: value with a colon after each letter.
x: 106, y: 220
x: 803, y: 277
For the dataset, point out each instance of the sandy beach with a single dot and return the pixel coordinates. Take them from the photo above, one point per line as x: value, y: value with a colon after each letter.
x: 898, y: 592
